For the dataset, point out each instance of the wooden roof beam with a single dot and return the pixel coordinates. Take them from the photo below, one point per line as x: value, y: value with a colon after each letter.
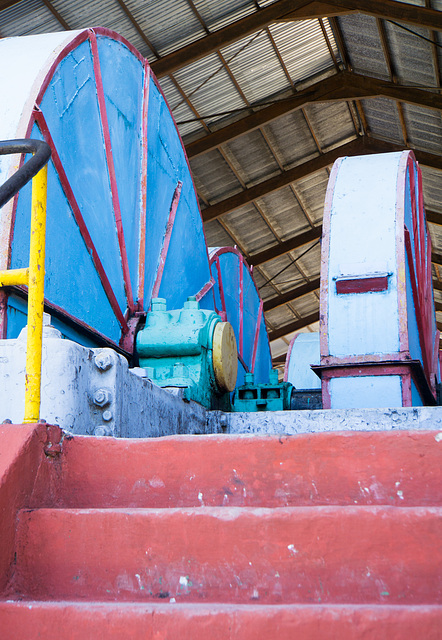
x: 341, y: 86
x: 288, y: 10
x: 291, y: 10
x: 293, y: 294
x: 296, y: 325
x: 300, y: 240
x: 387, y: 9
x: 284, y: 247
x: 359, y: 146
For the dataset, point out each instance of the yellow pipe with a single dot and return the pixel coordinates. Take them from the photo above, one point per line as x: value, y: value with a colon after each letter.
x: 36, y: 296
x: 14, y: 277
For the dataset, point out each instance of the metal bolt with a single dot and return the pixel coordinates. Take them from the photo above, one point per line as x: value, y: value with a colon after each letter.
x: 107, y: 415
x: 102, y: 397
x: 158, y: 304
x: 103, y: 361
x: 103, y: 430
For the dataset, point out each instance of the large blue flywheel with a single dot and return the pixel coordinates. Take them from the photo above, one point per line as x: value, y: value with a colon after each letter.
x: 123, y: 221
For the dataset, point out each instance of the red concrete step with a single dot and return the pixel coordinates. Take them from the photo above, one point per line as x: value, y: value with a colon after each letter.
x: 116, y: 621
x: 285, y: 555
x: 366, y: 468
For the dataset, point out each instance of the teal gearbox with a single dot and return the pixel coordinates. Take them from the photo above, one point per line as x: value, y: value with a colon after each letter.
x: 190, y: 348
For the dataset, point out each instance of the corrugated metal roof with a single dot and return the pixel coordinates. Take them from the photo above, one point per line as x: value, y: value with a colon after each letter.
x: 331, y: 122
x: 412, y: 55
x: 284, y: 213
x: 252, y: 157
x: 216, y: 236
x: 169, y: 24
x: 424, y: 127
x: 201, y: 81
x: 291, y: 139
x: 27, y: 17
x: 364, y: 45
x: 383, y: 118
x: 214, y: 178
x: 432, y: 188
x: 302, y: 47
x: 256, y: 67
x: 312, y: 190
x: 249, y: 228
x: 219, y: 13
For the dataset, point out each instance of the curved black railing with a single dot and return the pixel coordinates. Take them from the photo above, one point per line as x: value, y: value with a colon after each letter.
x: 42, y: 153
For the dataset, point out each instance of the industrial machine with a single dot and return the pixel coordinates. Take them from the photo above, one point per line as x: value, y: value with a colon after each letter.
x: 130, y: 280
x: 379, y: 343
x: 124, y: 231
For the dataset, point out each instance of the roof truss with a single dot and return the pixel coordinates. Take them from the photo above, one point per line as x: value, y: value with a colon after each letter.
x: 339, y: 87
x: 359, y: 146
x: 290, y: 10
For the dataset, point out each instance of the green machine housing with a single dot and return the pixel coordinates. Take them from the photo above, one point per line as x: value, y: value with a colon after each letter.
x: 271, y: 396
x: 189, y: 348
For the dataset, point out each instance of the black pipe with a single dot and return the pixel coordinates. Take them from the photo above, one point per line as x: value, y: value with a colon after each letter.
x: 42, y: 153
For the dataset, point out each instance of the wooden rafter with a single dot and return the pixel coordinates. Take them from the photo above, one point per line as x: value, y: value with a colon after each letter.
x: 56, y: 14
x: 296, y: 325
x: 293, y: 294
x: 284, y: 247
x: 291, y: 10
x: 360, y: 146
x: 306, y: 237
x: 341, y: 86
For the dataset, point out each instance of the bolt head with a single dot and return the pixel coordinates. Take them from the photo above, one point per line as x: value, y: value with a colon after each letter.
x: 107, y: 415
x: 103, y: 361
x: 102, y: 430
x: 102, y: 397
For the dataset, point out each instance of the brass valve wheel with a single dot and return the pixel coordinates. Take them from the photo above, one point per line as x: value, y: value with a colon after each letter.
x: 225, y: 356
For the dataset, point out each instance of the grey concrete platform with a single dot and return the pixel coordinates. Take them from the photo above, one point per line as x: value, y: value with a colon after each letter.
x: 293, y: 422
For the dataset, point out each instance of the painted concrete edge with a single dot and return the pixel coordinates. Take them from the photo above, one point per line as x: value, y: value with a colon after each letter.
x: 293, y: 422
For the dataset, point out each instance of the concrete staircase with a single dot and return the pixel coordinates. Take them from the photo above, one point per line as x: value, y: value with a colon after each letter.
x: 332, y: 535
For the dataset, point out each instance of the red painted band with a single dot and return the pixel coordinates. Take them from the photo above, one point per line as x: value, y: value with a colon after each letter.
x: 111, y: 170
x: 166, y: 241
x: 406, y: 390
x: 417, y: 302
x: 103, y: 31
x: 73, y: 44
x: 205, y: 289
x: 63, y: 315
x: 40, y: 119
x: 221, y: 288
x: 255, y: 341
x: 288, y: 356
x: 143, y: 197
x: 400, y: 252
x: 362, y: 285
x: 352, y: 371
x: 330, y: 361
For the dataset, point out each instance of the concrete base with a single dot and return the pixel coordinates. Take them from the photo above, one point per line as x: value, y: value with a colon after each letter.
x: 93, y: 392
x: 293, y: 422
